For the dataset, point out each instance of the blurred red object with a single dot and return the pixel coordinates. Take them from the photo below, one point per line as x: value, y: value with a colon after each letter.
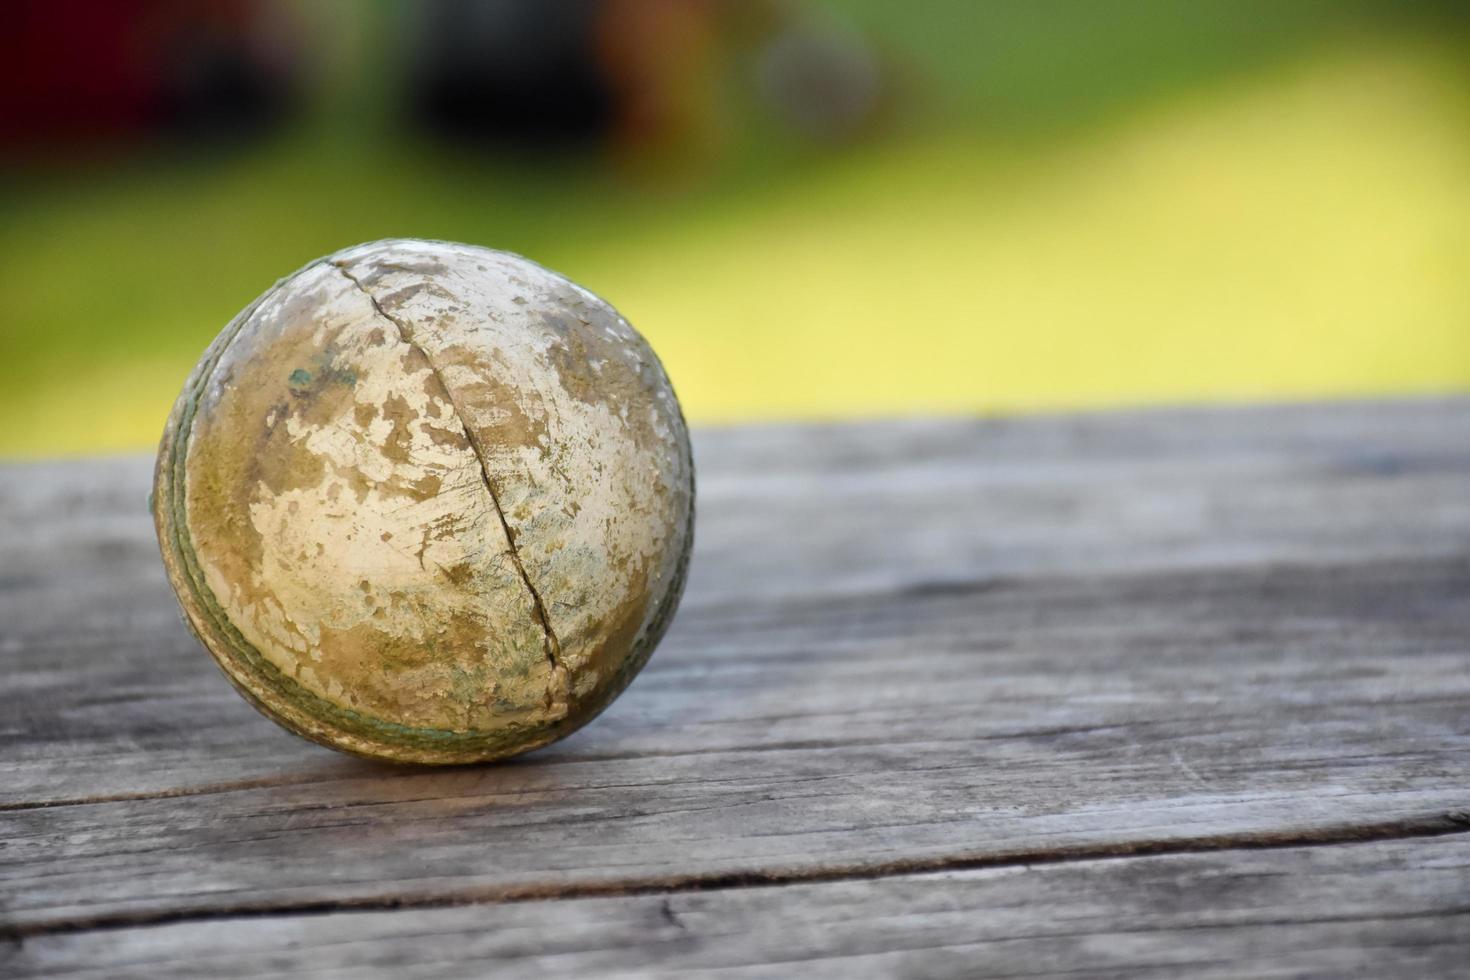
x: 74, y: 71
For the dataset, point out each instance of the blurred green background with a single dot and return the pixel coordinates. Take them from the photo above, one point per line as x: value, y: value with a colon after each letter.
x: 848, y: 208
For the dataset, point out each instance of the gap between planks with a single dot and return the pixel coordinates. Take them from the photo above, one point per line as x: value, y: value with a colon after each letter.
x: 1425, y: 826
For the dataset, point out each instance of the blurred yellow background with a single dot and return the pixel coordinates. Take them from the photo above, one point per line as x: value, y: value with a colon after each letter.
x: 1032, y: 206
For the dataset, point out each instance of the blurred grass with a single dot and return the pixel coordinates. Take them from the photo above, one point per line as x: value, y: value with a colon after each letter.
x: 1280, y: 214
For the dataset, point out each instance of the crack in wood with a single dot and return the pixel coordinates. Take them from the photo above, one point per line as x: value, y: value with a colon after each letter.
x: 1422, y: 827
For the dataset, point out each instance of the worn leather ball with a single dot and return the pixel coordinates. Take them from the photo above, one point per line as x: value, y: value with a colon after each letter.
x: 427, y: 502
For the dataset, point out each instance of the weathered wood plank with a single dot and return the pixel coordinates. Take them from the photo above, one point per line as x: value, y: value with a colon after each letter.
x: 1373, y: 910
x: 853, y: 507
x: 94, y: 657
x: 1020, y: 717
x: 904, y: 643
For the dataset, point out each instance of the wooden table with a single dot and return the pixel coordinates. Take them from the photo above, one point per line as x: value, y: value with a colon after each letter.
x: 1146, y: 694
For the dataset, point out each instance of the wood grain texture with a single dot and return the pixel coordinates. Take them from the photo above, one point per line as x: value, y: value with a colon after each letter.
x: 1377, y: 910
x: 906, y: 648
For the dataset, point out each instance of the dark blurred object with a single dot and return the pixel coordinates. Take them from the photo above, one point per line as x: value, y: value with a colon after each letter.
x: 644, y: 76
x: 515, y: 71
x: 568, y: 73
x: 77, y: 71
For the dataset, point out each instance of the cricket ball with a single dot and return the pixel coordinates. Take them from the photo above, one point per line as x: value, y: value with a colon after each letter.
x: 427, y: 502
